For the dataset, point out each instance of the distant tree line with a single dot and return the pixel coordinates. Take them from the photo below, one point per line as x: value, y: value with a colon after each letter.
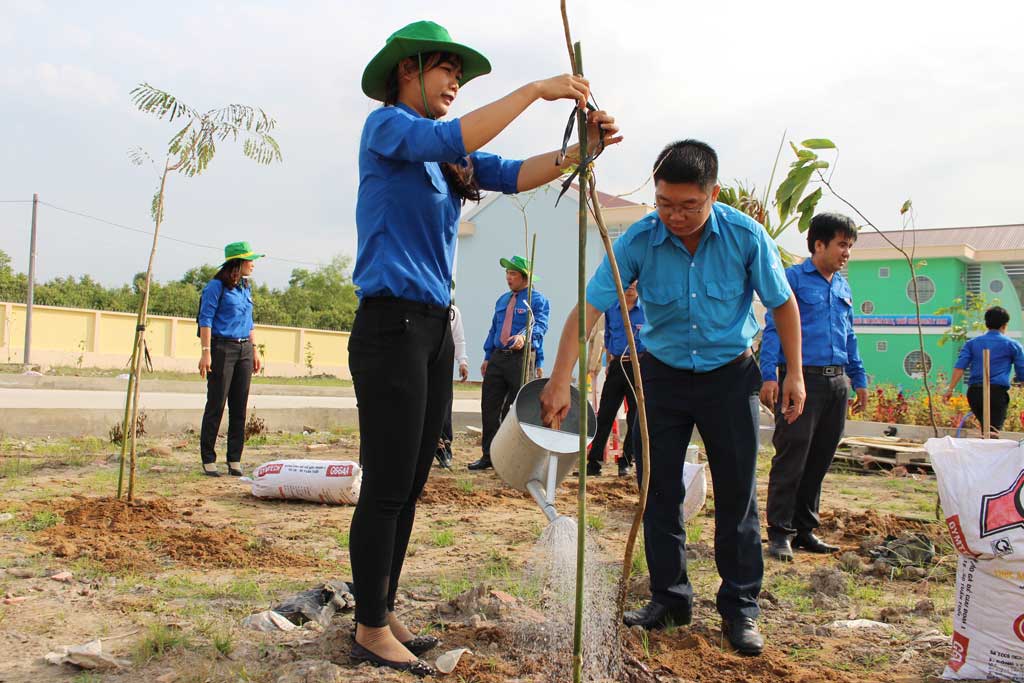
x: 323, y: 298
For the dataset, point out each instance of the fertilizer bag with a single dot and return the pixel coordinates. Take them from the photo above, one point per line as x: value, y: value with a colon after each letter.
x: 320, y: 481
x: 981, y: 487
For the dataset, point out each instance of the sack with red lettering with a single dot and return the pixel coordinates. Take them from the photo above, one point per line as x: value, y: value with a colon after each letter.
x: 981, y: 487
x: 320, y: 481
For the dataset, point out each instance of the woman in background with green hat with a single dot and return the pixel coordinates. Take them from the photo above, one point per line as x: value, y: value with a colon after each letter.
x: 228, y: 359
x: 415, y: 173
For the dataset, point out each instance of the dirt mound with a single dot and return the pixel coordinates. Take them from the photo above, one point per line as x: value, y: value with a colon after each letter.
x: 858, y: 526
x: 619, y: 493
x: 145, y: 534
x: 695, y: 655
x: 468, y: 493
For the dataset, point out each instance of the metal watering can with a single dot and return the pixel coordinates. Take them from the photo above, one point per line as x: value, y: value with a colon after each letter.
x: 533, y: 458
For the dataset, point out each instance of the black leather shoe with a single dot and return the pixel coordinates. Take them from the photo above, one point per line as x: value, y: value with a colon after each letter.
x: 419, y: 667
x: 483, y: 463
x: 655, y: 616
x: 593, y: 469
x: 234, y: 471
x: 211, y: 471
x: 421, y: 644
x: 743, y: 635
x: 806, y: 540
x: 780, y: 549
x: 625, y: 469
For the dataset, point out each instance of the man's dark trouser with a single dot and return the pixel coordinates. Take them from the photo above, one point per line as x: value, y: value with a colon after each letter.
x: 723, y: 406
x: 999, y: 402
x: 803, y: 454
x: 618, y: 385
x: 501, y: 384
x: 400, y: 355
x: 227, y: 381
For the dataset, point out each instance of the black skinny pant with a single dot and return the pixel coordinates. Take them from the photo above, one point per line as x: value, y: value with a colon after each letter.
x: 400, y: 354
x: 999, y: 398
x: 618, y: 385
x: 227, y: 381
x: 803, y: 453
x: 502, y: 382
x: 723, y: 406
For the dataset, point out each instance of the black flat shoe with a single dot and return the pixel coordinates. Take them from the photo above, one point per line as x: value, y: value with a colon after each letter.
x: 806, y: 540
x: 656, y: 616
x: 211, y: 473
x: 421, y: 644
x: 234, y: 471
x: 743, y: 635
x: 419, y: 667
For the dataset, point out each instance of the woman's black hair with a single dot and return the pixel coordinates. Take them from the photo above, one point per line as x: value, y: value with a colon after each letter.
x: 230, y: 274
x: 460, y: 177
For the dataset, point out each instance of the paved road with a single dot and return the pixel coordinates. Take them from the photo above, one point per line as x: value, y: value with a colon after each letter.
x: 72, y: 399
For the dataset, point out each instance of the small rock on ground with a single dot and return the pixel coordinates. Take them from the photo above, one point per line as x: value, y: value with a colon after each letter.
x: 313, y: 671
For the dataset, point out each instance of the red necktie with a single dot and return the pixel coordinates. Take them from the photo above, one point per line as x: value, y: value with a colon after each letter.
x: 506, y: 327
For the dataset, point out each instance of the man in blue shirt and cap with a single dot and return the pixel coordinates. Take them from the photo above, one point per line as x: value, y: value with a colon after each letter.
x: 698, y: 264
x: 804, y: 449
x: 505, y: 349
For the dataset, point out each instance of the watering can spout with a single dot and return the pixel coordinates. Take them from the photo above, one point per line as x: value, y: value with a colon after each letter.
x: 539, y: 495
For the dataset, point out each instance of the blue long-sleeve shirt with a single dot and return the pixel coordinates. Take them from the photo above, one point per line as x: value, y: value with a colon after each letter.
x: 615, y: 330
x: 406, y: 215
x: 1004, y: 353
x: 541, y: 309
x: 826, y: 326
x: 698, y: 307
x: 227, y: 312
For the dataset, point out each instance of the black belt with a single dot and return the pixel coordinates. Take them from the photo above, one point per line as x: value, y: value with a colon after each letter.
x: 509, y: 352
x: 432, y: 310
x: 826, y: 370
x: 237, y: 340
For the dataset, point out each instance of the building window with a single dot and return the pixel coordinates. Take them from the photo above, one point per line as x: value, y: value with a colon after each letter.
x: 867, y: 308
x: 1015, y: 273
x: 925, y: 289
x: 883, y: 271
x: 913, y: 366
x: 995, y: 286
x: 972, y: 278
x: 882, y: 346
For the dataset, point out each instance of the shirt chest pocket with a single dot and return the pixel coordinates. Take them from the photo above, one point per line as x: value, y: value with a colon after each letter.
x: 662, y: 302
x: 812, y: 303
x: 718, y: 309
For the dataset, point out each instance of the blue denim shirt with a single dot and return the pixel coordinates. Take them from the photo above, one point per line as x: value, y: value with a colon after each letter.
x: 1004, y: 353
x: 227, y: 312
x: 826, y: 325
x: 541, y: 310
x: 406, y: 215
x: 615, y: 331
x: 698, y: 308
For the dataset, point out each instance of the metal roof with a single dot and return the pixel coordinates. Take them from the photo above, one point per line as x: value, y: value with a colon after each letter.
x: 981, y: 238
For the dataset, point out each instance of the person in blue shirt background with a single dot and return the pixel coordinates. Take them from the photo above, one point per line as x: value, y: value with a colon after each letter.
x: 698, y: 264
x: 618, y: 383
x: 1004, y: 354
x: 504, y: 348
x: 415, y: 173
x: 804, y: 449
x: 228, y: 359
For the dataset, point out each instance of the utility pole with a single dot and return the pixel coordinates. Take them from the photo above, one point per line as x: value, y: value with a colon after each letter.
x: 31, y: 284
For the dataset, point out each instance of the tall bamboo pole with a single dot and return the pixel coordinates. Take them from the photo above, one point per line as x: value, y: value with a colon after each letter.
x: 986, y: 394
x: 581, y: 521
x: 528, y: 365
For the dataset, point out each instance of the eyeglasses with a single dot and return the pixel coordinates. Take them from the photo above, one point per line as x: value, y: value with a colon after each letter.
x: 669, y: 209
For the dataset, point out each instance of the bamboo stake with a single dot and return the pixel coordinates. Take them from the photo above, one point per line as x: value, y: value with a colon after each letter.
x: 986, y: 395
x: 528, y: 366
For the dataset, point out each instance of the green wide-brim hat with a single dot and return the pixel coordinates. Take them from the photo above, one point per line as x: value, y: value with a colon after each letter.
x: 240, y: 250
x: 520, y: 264
x: 408, y: 41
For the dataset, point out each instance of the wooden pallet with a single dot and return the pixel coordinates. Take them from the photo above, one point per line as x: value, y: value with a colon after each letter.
x: 891, y: 451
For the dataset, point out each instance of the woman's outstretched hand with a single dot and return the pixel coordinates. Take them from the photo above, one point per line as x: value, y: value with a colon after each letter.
x: 565, y: 87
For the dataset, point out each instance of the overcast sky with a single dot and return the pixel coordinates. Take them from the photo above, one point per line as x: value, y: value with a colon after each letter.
x: 925, y: 102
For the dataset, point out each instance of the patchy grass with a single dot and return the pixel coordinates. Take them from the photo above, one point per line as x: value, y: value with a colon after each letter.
x: 450, y: 588
x: 465, y: 485
x: 793, y: 590
x: 595, y: 522
x: 158, y: 641
x: 341, y: 539
x: 444, y: 538
x: 43, y: 519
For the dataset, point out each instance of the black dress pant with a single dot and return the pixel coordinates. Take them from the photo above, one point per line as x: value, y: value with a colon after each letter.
x: 502, y: 382
x: 226, y: 382
x: 803, y: 454
x: 723, y: 406
x: 999, y: 402
x: 400, y: 355
x: 618, y: 385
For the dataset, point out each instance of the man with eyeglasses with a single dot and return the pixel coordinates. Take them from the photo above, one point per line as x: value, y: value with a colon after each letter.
x: 698, y: 264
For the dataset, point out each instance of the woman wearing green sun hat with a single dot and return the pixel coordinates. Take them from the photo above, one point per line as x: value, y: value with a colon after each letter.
x: 228, y: 359
x: 415, y: 173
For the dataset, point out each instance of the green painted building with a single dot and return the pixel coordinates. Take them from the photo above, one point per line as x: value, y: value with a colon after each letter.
x: 988, y: 261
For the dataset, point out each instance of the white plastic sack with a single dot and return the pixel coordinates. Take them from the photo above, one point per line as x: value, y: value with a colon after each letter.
x: 696, y: 483
x: 320, y: 481
x: 981, y: 487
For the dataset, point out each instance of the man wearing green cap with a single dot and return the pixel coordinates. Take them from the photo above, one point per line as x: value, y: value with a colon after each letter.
x: 505, y: 349
x: 415, y: 173
x: 227, y: 361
